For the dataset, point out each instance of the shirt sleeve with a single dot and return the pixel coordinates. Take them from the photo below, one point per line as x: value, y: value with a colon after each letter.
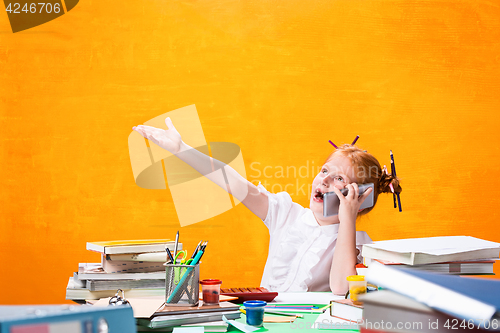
x: 361, y: 238
x: 280, y: 205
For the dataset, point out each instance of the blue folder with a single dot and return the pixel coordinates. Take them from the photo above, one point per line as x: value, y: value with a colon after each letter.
x: 66, y: 318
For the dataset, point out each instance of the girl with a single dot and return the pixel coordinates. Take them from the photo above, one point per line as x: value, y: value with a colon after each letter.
x: 307, y: 251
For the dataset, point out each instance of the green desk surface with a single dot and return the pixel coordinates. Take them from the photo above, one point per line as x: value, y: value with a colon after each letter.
x: 299, y: 325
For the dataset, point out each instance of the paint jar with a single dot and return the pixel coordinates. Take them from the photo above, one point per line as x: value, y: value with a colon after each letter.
x: 357, y: 286
x: 210, y: 289
x: 255, y: 312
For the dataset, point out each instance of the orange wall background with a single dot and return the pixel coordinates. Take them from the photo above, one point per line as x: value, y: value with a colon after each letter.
x: 279, y: 79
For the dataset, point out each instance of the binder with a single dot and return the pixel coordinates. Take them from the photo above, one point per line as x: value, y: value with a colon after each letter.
x: 66, y: 318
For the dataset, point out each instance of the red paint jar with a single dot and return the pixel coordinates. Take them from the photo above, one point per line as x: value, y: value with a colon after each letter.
x: 211, y: 291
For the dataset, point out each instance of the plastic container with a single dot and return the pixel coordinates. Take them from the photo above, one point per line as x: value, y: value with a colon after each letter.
x: 211, y: 291
x: 255, y: 312
x: 182, y: 286
x: 357, y: 286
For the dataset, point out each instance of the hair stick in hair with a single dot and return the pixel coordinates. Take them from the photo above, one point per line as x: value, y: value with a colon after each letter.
x: 333, y: 144
x: 355, y: 140
x: 393, y: 168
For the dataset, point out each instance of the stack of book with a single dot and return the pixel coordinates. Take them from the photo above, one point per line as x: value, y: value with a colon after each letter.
x: 415, y: 301
x: 135, y: 266
x: 153, y: 315
x: 420, y: 297
x: 454, y: 255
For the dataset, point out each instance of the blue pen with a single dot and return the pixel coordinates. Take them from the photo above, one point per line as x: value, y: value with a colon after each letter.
x: 185, y: 275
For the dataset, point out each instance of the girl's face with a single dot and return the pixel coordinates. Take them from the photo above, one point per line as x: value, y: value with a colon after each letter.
x: 338, y: 172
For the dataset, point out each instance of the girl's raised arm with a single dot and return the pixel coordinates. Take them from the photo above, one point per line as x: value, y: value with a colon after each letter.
x: 237, y: 186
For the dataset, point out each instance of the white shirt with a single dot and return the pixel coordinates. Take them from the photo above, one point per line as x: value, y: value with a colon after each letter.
x: 300, y: 250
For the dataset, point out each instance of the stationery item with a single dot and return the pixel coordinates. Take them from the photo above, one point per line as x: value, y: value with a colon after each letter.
x: 178, y: 268
x: 357, y: 287
x: 97, y: 285
x: 144, y: 257
x: 469, y: 299
x: 153, y: 313
x: 188, y: 283
x: 112, y: 266
x: 346, y: 309
x: 176, y: 243
x: 129, y: 246
x: 246, y: 294
x: 188, y: 330
x: 118, y: 299
x: 211, y: 290
x: 214, y: 326
x: 240, y: 326
x: 326, y: 322
x: 298, y: 307
x: 169, y: 254
x: 280, y: 313
x: 466, y: 267
x: 415, y: 251
x: 92, y: 271
x: 289, y: 318
x: 203, y: 247
x: 305, y: 298
x: 182, y: 289
x: 196, y: 249
x: 254, y: 312
x: 79, y: 294
x: 333, y: 144
x: 355, y: 140
x: 65, y: 318
x: 393, y: 170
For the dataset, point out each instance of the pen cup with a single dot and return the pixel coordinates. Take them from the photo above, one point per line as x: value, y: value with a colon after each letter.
x: 210, y: 289
x: 357, y: 286
x: 255, y: 312
x: 182, y: 286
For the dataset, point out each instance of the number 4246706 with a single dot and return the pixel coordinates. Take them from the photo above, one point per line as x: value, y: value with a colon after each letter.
x: 34, y: 8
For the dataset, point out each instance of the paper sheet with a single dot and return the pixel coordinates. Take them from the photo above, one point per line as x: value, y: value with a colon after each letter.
x: 305, y: 298
x: 325, y: 321
x: 188, y: 330
x: 242, y: 327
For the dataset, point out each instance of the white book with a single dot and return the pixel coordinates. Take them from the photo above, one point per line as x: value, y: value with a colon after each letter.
x: 80, y: 294
x: 415, y: 251
x: 477, y: 300
x: 132, y: 246
x: 94, y: 271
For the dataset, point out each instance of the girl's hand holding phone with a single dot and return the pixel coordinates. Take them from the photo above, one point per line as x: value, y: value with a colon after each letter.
x: 349, y: 204
x: 169, y: 139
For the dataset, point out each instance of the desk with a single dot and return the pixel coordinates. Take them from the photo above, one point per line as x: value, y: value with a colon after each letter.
x: 299, y: 325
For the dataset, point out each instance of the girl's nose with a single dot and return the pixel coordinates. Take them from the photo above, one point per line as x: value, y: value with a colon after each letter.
x: 326, y: 181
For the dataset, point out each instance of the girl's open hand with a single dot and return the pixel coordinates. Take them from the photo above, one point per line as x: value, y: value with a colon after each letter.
x: 349, y: 204
x: 168, y: 139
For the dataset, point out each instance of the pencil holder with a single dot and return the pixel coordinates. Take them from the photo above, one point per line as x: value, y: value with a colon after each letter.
x: 182, y: 285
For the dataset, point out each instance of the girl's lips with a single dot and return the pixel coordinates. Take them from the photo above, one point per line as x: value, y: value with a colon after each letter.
x: 317, y: 199
x: 318, y: 196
